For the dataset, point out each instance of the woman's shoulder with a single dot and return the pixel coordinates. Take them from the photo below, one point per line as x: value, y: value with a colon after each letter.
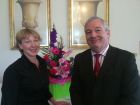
x: 12, y: 68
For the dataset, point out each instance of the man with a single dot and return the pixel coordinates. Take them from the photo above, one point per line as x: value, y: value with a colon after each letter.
x: 115, y: 83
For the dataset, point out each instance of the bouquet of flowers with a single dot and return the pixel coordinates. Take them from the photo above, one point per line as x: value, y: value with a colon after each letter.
x: 59, y: 65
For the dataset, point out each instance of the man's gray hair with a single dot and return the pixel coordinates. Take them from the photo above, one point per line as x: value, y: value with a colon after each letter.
x: 102, y: 21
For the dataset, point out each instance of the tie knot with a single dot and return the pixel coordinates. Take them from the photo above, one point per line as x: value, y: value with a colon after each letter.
x: 97, y: 55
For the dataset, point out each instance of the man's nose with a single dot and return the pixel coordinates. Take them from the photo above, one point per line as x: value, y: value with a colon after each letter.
x: 93, y: 33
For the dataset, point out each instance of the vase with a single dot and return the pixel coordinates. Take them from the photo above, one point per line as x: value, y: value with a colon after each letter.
x: 60, y: 91
x: 29, y: 12
x: 87, y: 8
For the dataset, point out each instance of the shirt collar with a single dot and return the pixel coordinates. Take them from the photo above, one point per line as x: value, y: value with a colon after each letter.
x: 103, y: 52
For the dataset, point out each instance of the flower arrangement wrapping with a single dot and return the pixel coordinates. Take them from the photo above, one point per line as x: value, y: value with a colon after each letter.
x: 59, y: 65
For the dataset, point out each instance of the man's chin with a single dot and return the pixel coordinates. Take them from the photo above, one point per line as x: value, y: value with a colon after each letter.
x: 96, y: 48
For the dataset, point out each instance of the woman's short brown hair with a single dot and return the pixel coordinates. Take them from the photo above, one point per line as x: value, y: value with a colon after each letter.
x: 22, y: 34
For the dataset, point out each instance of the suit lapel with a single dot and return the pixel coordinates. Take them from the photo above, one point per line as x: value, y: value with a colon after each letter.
x: 88, y: 64
x: 108, y: 62
x: 88, y: 61
x: 89, y: 68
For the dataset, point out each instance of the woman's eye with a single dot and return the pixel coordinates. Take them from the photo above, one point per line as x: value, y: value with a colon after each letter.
x: 36, y: 40
x: 27, y: 41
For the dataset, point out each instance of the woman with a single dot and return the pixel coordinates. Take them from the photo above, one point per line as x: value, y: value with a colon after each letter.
x: 25, y: 82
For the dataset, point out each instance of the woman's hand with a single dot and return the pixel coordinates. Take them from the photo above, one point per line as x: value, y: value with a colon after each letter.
x: 54, y: 102
x: 61, y: 103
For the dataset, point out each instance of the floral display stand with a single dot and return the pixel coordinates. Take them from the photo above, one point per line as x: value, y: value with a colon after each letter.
x: 60, y: 91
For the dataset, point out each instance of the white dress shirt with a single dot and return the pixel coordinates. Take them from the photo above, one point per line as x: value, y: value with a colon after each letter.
x: 101, y: 58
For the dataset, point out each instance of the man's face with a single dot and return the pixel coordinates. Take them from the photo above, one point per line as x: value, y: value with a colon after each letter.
x: 96, y: 35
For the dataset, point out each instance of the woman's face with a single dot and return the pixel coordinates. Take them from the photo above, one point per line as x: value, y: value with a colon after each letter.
x: 30, y: 46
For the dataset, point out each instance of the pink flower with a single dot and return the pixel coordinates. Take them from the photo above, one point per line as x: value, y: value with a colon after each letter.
x: 55, y: 51
x: 65, y: 66
x: 46, y: 57
x: 67, y: 53
x: 62, y: 60
x: 53, y: 71
x: 53, y: 63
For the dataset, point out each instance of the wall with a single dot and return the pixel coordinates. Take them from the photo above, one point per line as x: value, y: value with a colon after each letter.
x: 7, y: 56
x: 124, y: 25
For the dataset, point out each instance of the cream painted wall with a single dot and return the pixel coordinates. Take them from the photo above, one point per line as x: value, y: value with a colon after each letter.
x: 124, y: 25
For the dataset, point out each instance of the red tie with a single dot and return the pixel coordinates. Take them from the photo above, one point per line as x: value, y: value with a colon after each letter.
x: 97, y: 64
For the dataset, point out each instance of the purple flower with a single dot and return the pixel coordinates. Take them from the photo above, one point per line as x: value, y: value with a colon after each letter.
x: 53, y: 37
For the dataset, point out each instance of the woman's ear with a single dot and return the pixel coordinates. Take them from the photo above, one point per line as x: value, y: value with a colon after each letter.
x: 20, y: 46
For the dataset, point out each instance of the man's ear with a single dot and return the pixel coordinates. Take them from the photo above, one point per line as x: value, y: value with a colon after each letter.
x: 108, y: 32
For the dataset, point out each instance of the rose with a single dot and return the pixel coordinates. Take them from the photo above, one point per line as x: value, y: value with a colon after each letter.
x: 53, y: 71
x: 46, y: 57
x: 55, y: 50
x: 53, y: 63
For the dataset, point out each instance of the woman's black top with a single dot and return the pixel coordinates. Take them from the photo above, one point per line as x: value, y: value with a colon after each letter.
x: 25, y: 84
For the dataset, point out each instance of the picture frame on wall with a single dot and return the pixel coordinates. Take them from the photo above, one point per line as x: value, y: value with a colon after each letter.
x: 79, y: 11
x: 35, y: 15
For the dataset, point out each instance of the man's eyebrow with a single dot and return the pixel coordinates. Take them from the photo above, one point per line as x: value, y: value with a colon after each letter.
x: 97, y: 27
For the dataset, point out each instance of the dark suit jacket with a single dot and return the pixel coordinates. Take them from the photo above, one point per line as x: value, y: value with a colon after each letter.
x: 117, y: 83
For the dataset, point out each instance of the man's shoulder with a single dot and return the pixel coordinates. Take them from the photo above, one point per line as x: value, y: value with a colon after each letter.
x: 86, y: 52
x: 119, y: 51
x: 84, y: 55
